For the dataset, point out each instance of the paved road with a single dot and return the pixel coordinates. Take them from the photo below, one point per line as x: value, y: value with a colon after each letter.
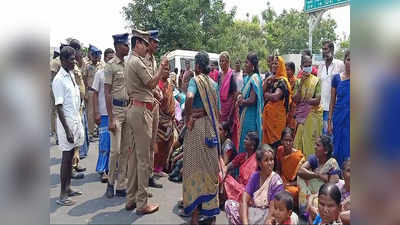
x: 94, y: 208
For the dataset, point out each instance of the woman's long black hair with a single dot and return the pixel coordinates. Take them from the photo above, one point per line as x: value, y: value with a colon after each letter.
x: 202, y: 59
x: 252, y: 57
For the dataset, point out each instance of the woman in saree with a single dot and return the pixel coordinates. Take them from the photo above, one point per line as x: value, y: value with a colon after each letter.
x: 227, y: 91
x: 201, y: 144
x: 263, y: 185
x: 251, y: 101
x: 290, y: 70
x: 339, y: 113
x: 289, y: 161
x: 247, y: 163
x: 277, y: 97
x: 318, y: 169
x: 344, y: 188
x: 308, y: 112
x: 166, y: 126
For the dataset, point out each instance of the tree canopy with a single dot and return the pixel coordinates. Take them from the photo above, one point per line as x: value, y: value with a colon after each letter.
x: 206, y: 25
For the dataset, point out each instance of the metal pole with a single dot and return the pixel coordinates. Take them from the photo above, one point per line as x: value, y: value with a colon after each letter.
x: 313, y: 20
x: 310, y: 30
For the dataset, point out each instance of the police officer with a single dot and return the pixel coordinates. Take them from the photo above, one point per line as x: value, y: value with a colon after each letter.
x: 140, y: 84
x: 151, y: 63
x: 116, y: 104
x: 94, y: 65
x: 81, y: 152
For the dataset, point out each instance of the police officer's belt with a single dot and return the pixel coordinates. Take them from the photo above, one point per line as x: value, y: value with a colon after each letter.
x: 147, y: 105
x: 120, y: 102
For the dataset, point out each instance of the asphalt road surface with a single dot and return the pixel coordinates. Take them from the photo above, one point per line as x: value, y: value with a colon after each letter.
x: 94, y: 208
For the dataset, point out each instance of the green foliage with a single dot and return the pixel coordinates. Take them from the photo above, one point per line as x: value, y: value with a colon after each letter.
x: 288, y: 31
x: 342, y: 46
x: 183, y: 24
x: 205, y: 25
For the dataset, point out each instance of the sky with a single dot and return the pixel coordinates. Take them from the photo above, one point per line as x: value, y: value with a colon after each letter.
x: 94, y: 21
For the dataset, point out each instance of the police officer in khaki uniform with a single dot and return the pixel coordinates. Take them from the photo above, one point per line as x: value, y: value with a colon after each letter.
x: 94, y: 65
x: 55, y: 65
x: 77, y: 71
x: 140, y: 84
x: 151, y: 63
x: 116, y: 104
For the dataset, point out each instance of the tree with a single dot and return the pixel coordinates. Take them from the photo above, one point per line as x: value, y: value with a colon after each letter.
x: 288, y: 31
x: 183, y: 24
x: 342, y: 46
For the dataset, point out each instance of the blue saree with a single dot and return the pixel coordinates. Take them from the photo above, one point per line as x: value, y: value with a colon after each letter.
x: 341, y: 120
x: 250, y: 116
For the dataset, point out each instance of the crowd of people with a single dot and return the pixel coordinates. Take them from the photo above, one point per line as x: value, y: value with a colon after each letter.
x: 265, y: 148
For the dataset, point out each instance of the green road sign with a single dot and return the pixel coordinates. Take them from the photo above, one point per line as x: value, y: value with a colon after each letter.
x: 316, y: 5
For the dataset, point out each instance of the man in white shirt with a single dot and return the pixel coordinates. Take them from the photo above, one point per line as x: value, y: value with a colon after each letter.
x: 326, y: 70
x: 101, y: 119
x: 69, y: 123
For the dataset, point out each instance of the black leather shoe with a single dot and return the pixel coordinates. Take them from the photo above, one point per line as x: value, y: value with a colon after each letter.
x: 110, y: 191
x: 76, y: 175
x: 79, y: 168
x: 120, y: 193
x: 154, y: 184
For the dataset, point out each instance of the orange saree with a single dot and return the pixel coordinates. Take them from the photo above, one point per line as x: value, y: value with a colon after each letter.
x: 275, y: 113
x: 289, y: 166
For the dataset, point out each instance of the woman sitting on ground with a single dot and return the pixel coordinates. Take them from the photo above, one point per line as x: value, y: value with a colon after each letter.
x: 329, y: 205
x: 262, y: 187
x: 319, y: 169
x: 344, y: 187
x: 247, y: 164
x: 289, y: 161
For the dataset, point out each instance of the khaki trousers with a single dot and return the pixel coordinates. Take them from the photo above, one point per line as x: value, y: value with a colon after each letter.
x: 140, y: 121
x: 53, y: 113
x: 154, y: 146
x: 90, y: 109
x: 119, y: 149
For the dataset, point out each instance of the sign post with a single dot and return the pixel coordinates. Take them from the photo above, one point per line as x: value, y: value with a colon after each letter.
x: 315, y: 9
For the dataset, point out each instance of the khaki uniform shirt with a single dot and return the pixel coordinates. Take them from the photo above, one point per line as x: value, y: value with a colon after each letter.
x: 137, y: 76
x: 151, y: 64
x: 55, y: 65
x: 88, y: 74
x: 79, y: 79
x: 114, y: 76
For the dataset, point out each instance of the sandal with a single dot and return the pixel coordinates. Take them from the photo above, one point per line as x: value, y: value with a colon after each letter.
x: 65, y: 202
x: 73, y: 193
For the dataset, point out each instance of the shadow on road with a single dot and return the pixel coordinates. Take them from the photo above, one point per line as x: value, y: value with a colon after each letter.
x: 94, y: 205
x: 117, y: 217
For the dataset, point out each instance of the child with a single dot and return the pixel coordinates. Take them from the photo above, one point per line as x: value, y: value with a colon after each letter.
x: 281, y: 211
x: 228, y: 148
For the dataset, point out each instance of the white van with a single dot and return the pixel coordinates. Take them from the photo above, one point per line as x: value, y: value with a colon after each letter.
x: 178, y: 57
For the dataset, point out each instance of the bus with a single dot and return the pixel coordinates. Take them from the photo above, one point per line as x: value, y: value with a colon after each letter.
x: 177, y: 58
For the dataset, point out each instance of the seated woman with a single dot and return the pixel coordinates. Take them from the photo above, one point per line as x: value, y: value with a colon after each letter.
x: 289, y: 161
x: 262, y: 187
x: 344, y: 187
x: 247, y: 164
x: 319, y: 169
x: 329, y: 205
x: 345, y: 191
